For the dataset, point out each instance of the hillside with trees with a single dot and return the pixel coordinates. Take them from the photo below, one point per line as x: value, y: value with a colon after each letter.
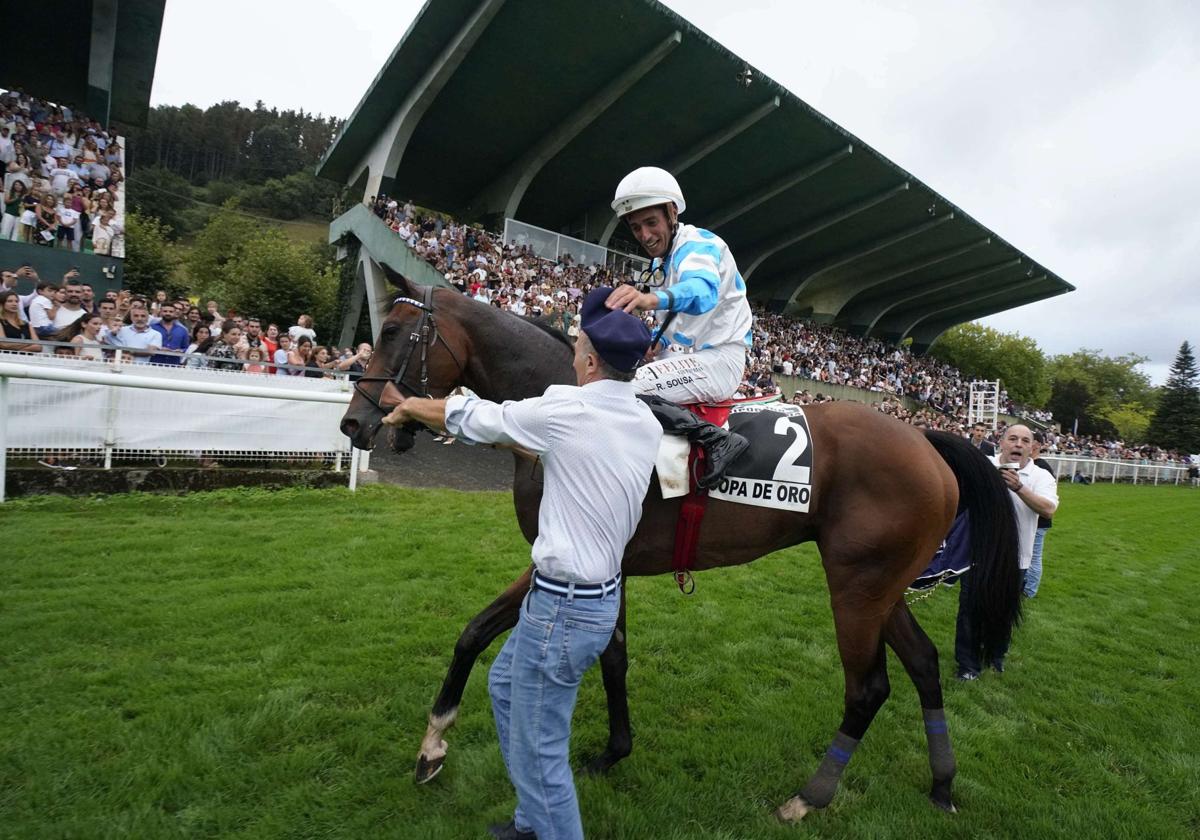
x: 224, y: 205
x: 189, y: 161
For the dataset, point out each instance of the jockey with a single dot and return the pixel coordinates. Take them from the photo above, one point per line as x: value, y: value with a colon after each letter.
x: 699, y: 300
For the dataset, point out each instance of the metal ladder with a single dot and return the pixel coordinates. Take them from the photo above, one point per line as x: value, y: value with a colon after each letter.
x: 984, y: 406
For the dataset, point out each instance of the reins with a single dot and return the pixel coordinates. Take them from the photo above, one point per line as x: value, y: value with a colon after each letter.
x: 425, y: 335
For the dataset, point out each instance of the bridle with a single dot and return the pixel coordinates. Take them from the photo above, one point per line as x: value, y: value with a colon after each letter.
x: 422, y: 337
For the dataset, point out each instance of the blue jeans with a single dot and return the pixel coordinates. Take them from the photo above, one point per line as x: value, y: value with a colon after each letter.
x: 533, y: 684
x: 1033, y: 576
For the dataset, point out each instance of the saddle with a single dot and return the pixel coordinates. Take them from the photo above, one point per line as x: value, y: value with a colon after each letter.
x: 699, y: 425
x: 693, y: 457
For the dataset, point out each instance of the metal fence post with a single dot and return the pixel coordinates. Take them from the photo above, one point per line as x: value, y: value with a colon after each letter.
x: 110, y: 422
x: 3, y: 435
x: 354, y: 458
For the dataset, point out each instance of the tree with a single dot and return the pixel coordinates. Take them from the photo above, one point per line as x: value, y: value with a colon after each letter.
x: 1088, y: 389
x: 150, y: 258
x: 1176, y: 422
x: 1131, y: 420
x: 275, y: 279
x: 984, y: 353
x: 161, y: 194
x: 299, y: 194
x: 272, y: 153
x: 219, y: 243
x: 229, y: 141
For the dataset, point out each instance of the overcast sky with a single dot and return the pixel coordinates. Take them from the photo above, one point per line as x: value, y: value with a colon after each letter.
x: 1069, y: 128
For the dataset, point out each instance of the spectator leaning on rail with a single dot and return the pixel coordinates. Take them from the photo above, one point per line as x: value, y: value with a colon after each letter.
x: 174, y: 335
x: 598, y: 443
x: 700, y: 303
x: 1033, y: 493
x: 15, y: 327
x: 138, y: 336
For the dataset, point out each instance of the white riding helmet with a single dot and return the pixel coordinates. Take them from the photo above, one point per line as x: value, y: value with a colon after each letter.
x: 647, y: 186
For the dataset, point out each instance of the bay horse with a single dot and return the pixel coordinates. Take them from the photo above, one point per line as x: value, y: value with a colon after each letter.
x: 884, y: 496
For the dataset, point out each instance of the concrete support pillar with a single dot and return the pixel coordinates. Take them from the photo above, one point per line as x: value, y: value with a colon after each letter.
x: 376, y: 291
x: 354, y: 310
x: 100, y: 59
x: 745, y: 203
x: 504, y: 194
x: 889, y: 315
x: 927, y: 327
x: 895, y: 276
x: 602, y: 222
x: 383, y: 159
x: 764, y: 250
x: 826, y: 297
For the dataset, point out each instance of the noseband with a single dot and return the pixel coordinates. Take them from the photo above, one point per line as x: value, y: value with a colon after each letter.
x: 425, y: 334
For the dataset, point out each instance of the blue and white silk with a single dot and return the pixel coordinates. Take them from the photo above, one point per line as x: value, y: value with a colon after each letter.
x: 706, y: 290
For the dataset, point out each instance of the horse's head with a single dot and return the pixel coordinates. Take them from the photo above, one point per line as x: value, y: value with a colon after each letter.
x: 421, y: 350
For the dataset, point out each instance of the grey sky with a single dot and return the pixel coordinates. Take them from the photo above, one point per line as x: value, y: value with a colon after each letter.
x: 1069, y: 128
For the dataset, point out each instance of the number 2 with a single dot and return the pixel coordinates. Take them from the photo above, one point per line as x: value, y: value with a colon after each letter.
x: 787, y: 469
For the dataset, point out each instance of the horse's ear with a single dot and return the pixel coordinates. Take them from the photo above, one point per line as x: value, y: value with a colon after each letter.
x: 402, y: 283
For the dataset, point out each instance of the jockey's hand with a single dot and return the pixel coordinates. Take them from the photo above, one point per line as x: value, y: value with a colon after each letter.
x: 399, y: 415
x: 629, y: 298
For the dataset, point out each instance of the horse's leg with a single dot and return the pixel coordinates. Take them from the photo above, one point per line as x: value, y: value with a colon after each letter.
x: 614, y: 663
x: 499, y: 616
x: 920, y: 659
x: 859, y: 625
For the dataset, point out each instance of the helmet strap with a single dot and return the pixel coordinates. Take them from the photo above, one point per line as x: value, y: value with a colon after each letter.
x: 673, y: 223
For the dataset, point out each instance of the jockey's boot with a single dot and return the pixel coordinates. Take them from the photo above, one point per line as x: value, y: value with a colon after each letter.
x: 721, y: 447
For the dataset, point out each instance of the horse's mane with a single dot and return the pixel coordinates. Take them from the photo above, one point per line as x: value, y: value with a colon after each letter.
x: 553, y: 332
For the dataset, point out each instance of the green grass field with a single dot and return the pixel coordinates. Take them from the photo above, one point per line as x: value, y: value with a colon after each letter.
x: 255, y: 664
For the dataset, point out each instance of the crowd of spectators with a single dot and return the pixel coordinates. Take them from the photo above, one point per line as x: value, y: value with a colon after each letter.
x: 507, y: 276
x: 64, y: 180
x: 791, y: 347
x: 69, y: 319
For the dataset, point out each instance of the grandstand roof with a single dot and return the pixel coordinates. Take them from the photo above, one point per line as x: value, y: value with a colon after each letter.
x: 535, y: 110
x: 102, y: 61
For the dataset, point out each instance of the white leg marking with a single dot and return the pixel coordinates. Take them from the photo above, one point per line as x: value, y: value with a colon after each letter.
x: 794, y: 810
x: 432, y: 745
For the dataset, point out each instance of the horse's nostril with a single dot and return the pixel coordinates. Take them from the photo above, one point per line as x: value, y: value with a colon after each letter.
x: 349, y: 427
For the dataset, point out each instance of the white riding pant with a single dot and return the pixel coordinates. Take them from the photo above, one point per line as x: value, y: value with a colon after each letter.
x: 706, y: 376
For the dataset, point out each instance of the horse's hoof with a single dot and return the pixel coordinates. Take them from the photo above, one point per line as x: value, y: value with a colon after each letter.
x: 794, y: 810
x: 943, y: 804
x: 428, y: 768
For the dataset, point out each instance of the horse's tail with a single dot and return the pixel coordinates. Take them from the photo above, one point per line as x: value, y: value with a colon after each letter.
x: 994, y: 597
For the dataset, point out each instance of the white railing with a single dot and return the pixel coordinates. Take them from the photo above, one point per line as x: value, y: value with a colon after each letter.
x: 1100, y: 469
x: 53, y: 406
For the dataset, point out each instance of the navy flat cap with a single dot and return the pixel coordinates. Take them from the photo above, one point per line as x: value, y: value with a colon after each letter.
x: 620, y: 339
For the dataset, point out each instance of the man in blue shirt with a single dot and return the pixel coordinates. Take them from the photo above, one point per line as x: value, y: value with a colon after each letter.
x: 174, y: 336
